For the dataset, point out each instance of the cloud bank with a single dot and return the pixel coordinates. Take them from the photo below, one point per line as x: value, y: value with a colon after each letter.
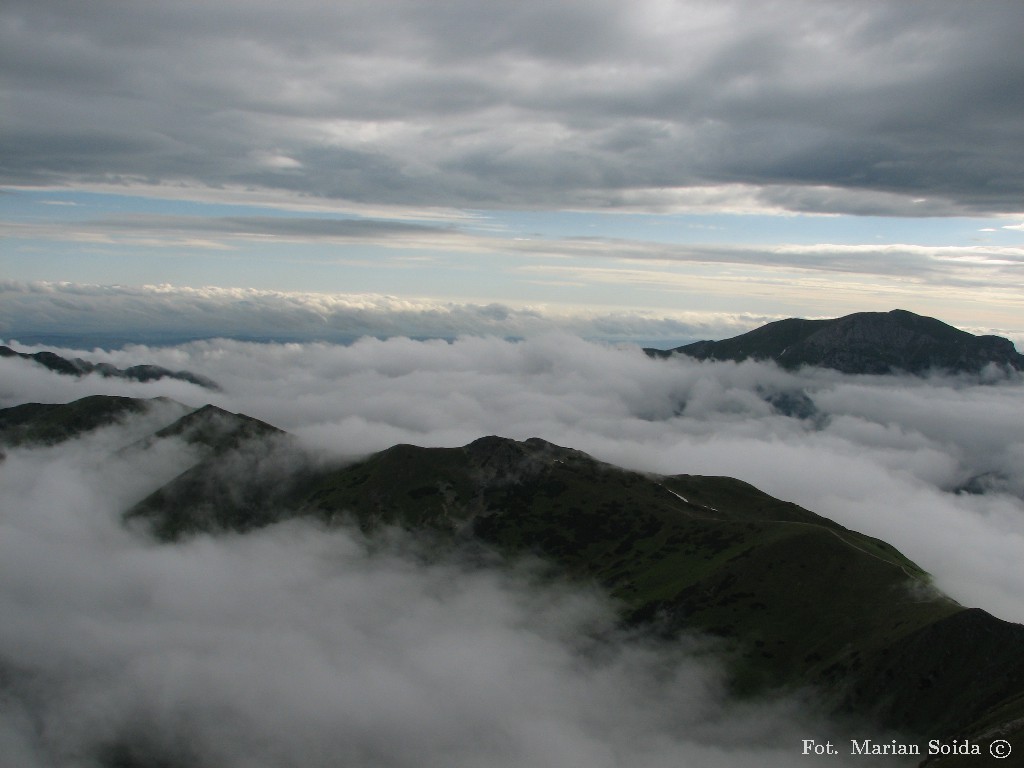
x: 298, y: 646
x: 73, y: 314
x: 113, y: 315
x: 935, y: 466
x: 865, y: 108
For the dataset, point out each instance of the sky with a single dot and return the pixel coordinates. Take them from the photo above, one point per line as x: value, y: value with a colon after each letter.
x: 689, y: 166
x: 384, y: 221
x: 299, y: 646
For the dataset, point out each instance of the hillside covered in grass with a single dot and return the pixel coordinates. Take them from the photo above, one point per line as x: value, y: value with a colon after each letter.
x: 864, y: 342
x: 790, y: 599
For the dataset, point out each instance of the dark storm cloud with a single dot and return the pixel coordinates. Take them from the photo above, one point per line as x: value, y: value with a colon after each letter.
x: 825, y: 107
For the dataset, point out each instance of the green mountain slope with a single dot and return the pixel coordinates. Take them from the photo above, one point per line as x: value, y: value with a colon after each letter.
x: 243, y: 480
x: 865, y: 342
x: 794, y: 598
x: 51, y: 423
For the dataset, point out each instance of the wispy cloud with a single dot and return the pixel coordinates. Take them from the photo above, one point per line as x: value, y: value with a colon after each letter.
x: 970, y: 272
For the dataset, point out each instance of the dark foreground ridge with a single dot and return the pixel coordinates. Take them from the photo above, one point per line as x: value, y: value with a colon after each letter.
x: 793, y: 600
x: 865, y: 342
x: 51, y: 423
x: 80, y: 367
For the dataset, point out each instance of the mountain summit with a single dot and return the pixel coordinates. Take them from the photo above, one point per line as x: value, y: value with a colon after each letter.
x: 864, y: 342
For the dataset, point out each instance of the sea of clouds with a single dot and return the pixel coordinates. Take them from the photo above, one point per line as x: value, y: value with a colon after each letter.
x: 300, y: 646
x: 113, y: 315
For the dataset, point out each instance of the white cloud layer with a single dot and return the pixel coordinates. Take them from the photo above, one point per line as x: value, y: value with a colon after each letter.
x: 883, y: 455
x: 118, y: 314
x: 299, y: 647
x: 113, y: 315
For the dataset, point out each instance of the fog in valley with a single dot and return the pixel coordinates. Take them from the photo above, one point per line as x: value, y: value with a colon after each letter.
x: 302, y: 646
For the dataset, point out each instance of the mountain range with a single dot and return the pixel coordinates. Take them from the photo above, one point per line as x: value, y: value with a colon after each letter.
x: 791, y: 599
x: 79, y: 367
x: 862, y: 343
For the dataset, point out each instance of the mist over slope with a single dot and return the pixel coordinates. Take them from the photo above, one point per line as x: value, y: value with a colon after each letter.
x: 299, y: 645
x: 794, y: 600
x: 236, y: 646
x: 894, y: 457
x: 80, y: 367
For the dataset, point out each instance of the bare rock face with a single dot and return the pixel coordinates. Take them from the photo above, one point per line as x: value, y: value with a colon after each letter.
x: 865, y: 342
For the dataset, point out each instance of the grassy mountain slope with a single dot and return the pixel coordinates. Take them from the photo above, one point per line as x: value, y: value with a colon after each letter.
x: 794, y: 598
x: 865, y: 342
x: 51, y: 423
x: 242, y: 482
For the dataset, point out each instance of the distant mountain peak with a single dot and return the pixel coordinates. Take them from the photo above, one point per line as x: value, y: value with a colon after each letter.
x: 863, y: 343
x: 218, y: 429
x: 493, y: 451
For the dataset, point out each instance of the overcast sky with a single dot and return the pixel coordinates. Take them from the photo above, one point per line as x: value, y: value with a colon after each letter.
x: 773, y: 158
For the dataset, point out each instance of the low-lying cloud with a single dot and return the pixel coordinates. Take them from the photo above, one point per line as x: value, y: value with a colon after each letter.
x: 933, y: 465
x: 114, y: 315
x: 72, y: 314
x: 301, y: 646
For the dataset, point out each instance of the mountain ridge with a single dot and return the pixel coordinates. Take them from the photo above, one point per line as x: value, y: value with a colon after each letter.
x: 51, y: 423
x: 795, y: 599
x: 792, y: 600
x: 79, y: 367
x: 862, y: 343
